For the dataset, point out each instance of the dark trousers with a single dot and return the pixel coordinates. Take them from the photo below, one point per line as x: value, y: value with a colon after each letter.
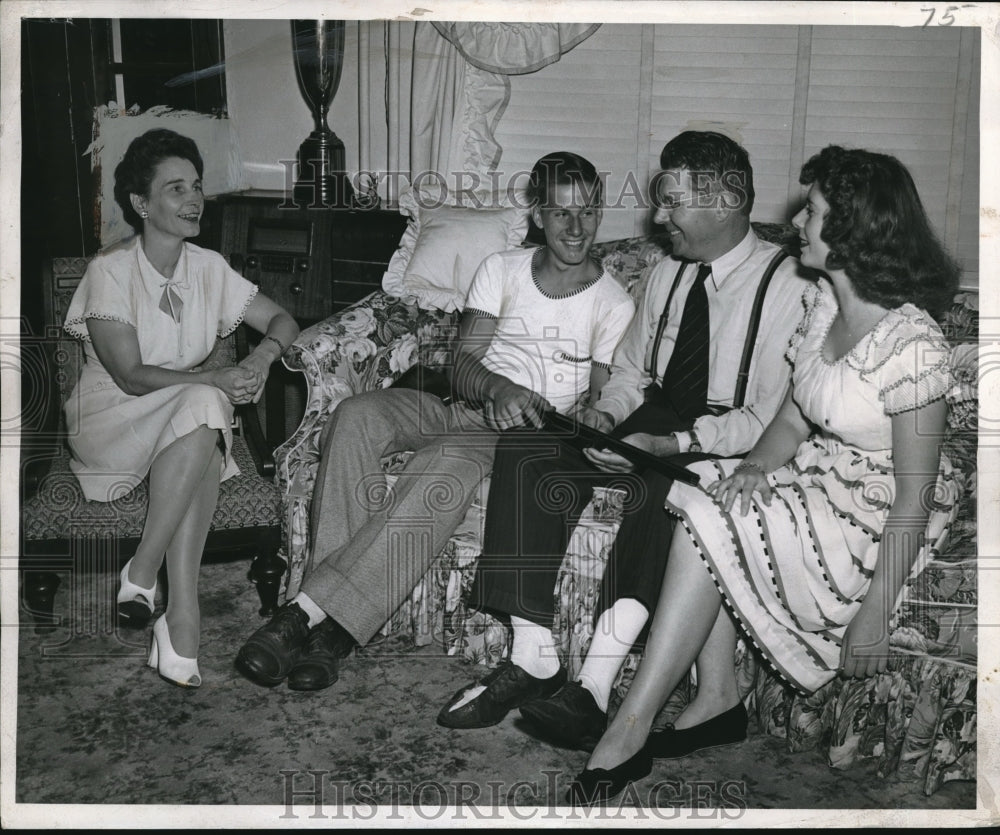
x: 539, y: 488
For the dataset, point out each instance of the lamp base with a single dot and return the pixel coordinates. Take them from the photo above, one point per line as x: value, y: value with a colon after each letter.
x: 322, y: 181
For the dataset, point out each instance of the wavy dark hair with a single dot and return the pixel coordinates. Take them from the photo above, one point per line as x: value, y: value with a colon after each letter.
x: 878, y: 231
x: 564, y: 168
x: 721, y: 163
x: 135, y: 172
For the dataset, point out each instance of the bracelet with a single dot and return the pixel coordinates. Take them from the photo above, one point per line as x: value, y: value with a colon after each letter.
x: 743, y: 466
x: 277, y: 342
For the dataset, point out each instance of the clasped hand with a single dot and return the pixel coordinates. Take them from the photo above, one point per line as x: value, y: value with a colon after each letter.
x: 243, y: 383
x: 512, y: 405
x: 741, y: 485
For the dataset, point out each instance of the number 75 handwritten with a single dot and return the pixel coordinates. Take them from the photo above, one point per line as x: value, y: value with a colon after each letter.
x: 947, y: 19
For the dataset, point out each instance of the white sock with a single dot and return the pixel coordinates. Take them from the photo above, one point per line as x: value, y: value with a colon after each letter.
x: 534, y: 649
x: 615, y: 633
x: 307, y: 605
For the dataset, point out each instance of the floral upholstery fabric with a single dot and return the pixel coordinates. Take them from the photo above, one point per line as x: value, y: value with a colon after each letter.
x: 917, y: 720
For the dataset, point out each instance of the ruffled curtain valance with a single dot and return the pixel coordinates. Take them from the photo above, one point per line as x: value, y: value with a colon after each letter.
x: 514, y: 48
x: 460, y: 87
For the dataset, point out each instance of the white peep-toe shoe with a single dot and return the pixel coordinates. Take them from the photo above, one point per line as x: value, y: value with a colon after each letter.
x: 173, y: 667
x: 135, y: 604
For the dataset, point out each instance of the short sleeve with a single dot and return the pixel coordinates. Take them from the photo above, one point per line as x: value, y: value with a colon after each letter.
x: 103, y: 293
x: 237, y: 293
x: 916, y: 368
x: 810, y: 300
x: 487, y: 291
x: 609, y: 331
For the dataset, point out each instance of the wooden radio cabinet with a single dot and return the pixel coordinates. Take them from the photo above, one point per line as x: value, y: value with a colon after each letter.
x: 313, y: 262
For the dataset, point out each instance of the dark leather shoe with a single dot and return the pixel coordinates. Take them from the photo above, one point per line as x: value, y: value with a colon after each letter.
x: 507, y: 687
x: 597, y: 786
x: 317, y: 667
x: 725, y: 729
x: 271, y: 652
x: 571, y: 718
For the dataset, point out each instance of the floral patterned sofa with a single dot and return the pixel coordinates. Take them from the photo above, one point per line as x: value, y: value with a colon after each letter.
x: 917, y: 720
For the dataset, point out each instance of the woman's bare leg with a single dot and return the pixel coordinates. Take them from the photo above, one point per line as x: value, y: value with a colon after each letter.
x: 184, y: 555
x: 174, y: 477
x: 687, y: 614
x: 717, y: 691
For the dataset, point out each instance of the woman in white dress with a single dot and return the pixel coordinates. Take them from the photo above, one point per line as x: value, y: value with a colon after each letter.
x: 805, y: 545
x: 149, y: 311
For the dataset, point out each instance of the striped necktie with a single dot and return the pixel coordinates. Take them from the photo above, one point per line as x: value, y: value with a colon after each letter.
x: 685, y: 381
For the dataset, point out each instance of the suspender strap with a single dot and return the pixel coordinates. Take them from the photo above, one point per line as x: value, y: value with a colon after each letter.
x: 758, y: 305
x: 743, y: 376
x: 662, y: 325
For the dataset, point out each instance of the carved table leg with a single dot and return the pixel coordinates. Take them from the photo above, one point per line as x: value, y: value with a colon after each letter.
x: 266, y: 571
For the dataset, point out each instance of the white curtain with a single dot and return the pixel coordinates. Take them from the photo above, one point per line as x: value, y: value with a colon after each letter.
x: 460, y: 86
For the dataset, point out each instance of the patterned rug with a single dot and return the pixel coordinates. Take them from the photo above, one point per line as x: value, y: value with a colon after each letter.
x: 97, y: 726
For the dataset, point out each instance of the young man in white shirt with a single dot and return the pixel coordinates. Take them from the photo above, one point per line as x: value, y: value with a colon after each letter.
x: 537, y: 334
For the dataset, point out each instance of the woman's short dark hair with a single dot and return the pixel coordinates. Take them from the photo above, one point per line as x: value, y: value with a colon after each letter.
x: 878, y: 231
x: 715, y: 160
x: 564, y: 168
x: 134, y: 174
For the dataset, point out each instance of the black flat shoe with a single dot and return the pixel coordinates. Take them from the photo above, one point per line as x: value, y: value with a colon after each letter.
x: 727, y: 728
x: 507, y: 687
x: 596, y: 786
x: 571, y: 718
x: 318, y: 666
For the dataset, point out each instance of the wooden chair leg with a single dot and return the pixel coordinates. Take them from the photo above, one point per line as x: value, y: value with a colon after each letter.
x: 266, y: 571
x: 39, y: 588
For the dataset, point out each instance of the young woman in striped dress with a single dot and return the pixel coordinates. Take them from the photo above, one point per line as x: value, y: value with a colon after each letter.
x: 804, y: 546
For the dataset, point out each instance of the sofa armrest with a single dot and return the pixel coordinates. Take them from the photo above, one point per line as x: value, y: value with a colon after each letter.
x: 336, y: 356
x: 362, y: 348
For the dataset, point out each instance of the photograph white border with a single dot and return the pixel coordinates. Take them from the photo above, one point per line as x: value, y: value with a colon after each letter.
x: 985, y: 16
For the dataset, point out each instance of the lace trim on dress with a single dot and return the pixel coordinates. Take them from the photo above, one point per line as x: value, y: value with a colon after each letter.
x: 919, y: 392
x: 243, y: 313
x: 77, y: 326
x: 932, y: 382
x: 810, y: 301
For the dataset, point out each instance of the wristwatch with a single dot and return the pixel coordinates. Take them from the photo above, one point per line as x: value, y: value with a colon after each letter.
x: 693, y: 445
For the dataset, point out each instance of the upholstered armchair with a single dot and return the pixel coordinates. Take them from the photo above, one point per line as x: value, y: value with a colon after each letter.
x: 63, y: 532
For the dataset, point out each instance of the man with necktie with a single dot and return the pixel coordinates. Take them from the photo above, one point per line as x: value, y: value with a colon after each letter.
x: 700, y: 372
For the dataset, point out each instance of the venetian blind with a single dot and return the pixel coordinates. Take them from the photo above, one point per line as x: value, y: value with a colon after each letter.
x: 783, y: 91
x: 587, y: 103
x: 739, y: 80
x: 890, y: 90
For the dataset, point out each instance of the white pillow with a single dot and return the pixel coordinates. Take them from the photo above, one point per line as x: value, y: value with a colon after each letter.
x: 443, y: 245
